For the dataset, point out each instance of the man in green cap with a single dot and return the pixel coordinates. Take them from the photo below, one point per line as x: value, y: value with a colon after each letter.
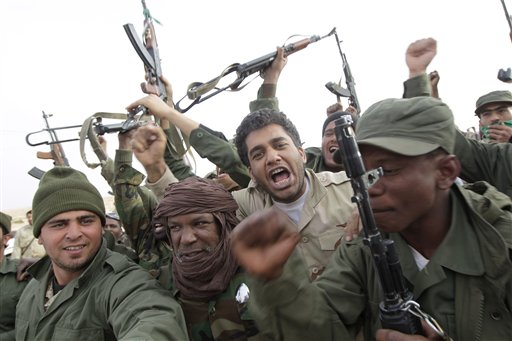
x: 10, y: 288
x: 494, y: 110
x: 454, y: 243
x: 80, y: 287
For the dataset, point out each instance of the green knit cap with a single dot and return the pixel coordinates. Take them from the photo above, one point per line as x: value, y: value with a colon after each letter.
x: 64, y: 189
x: 5, y: 222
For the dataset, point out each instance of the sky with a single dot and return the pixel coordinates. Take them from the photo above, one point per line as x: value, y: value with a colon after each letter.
x: 73, y: 58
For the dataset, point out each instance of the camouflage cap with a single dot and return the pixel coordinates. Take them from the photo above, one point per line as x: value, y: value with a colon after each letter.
x: 493, y: 97
x: 411, y: 127
x: 5, y: 222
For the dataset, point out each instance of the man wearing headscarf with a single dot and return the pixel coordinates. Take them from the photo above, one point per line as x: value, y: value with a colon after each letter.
x: 203, y: 275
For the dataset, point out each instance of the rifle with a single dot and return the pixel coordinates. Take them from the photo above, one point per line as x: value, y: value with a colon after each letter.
x: 350, y: 91
x: 509, y: 19
x: 398, y: 310
x: 197, y: 90
x: 56, y: 152
x: 149, y: 54
x: 505, y: 75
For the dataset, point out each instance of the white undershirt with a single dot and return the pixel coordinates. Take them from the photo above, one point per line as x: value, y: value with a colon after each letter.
x: 294, y: 209
x: 421, y: 261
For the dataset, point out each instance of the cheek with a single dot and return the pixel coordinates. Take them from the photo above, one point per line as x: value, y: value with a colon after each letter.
x: 175, y: 239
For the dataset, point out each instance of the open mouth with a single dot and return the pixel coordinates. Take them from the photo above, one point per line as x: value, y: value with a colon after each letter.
x: 333, y: 149
x: 280, y: 175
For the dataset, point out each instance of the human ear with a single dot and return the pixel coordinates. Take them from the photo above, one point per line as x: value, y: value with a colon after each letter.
x: 448, y: 169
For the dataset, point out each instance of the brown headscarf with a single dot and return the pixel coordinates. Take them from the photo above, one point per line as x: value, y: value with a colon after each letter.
x: 201, y: 277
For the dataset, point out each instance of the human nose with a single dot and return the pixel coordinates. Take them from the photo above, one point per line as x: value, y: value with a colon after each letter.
x: 188, y: 235
x: 273, y: 156
x: 74, y: 230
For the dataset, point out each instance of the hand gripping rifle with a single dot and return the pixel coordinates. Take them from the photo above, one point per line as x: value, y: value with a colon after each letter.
x: 398, y: 310
x: 56, y: 152
x: 199, y: 92
x: 350, y: 91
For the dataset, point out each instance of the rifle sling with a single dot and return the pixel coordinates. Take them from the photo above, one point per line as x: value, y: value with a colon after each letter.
x: 87, y: 132
x: 176, y: 143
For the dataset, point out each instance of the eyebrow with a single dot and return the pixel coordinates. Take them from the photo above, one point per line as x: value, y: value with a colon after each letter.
x: 52, y: 221
x: 272, y: 141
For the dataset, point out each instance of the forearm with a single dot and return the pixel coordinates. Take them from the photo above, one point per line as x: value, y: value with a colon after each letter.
x: 417, y: 86
x: 184, y: 123
x: 176, y: 165
x: 159, y: 185
x: 221, y: 153
x: 266, y: 98
x: 107, y: 171
x: 128, y: 203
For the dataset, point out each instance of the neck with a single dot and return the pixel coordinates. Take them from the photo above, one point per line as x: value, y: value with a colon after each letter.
x: 63, y: 277
x: 426, y: 234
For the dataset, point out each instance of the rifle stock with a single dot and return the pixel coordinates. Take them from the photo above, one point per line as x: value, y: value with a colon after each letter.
x: 56, y: 150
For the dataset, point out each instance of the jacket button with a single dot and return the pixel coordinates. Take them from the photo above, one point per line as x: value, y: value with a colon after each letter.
x: 121, y: 169
x: 314, y: 270
x: 305, y: 239
x: 199, y: 134
x: 496, y: 316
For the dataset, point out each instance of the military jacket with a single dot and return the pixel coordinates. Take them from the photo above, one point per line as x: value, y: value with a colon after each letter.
x: 326, y: 210
x: 224, y: 317
x: 135, y: 204
x: 10, y: 292
x: 112, y: 299
x: 466, y: 286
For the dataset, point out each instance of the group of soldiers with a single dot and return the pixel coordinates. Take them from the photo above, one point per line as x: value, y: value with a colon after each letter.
x: 271, y: 248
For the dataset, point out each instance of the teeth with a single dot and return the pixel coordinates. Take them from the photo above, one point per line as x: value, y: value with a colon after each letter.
x: 74, y: 248
x: 277, y: 170
x: 333, y: 149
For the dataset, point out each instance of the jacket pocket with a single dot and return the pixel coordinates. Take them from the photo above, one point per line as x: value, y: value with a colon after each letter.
x: 330, y: 240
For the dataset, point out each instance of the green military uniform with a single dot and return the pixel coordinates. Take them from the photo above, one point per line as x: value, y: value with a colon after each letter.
x: 220, y: 318
x: 466, y: 286
x: 10, y: 292
x: 112, y: 299
x: 326, y: 209
x: 135, y: 204
x: 491, y: 162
